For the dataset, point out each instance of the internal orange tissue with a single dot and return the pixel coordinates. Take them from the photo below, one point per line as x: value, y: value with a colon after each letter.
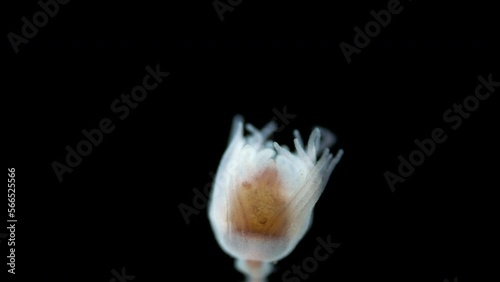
x: 260, y: 207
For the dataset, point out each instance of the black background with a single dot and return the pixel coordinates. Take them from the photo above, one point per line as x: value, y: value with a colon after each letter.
x: 119, y: 207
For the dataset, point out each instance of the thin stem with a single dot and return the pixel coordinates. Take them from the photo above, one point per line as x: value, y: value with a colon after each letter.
x: 255, y: 271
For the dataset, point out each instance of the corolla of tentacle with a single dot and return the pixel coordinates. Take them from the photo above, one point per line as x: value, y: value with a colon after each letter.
x: 264, y: 194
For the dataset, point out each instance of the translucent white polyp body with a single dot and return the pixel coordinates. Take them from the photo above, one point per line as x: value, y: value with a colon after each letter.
x: 264, y: 194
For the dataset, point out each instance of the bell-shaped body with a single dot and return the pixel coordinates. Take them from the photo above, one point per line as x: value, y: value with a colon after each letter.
x: 263, y: 195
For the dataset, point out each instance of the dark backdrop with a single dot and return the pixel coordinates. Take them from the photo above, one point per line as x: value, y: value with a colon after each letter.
x: 119, y: 207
